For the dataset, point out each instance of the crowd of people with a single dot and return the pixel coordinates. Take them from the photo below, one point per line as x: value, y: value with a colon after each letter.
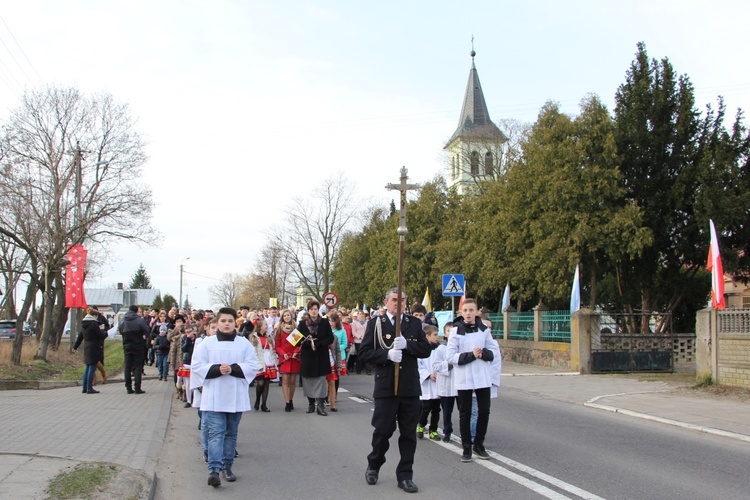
x: 225, y: 364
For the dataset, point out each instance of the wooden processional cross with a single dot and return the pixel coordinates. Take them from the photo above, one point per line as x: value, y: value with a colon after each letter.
x: 403, y: 187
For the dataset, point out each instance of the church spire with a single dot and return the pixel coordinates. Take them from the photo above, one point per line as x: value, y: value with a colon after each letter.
x: 475, y: 117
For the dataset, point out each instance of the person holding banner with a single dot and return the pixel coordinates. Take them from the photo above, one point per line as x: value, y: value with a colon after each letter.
x: 287, y: 350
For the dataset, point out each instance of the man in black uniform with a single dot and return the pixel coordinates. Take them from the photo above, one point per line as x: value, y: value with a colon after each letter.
x: 382, y: 348
x: 134, y: 331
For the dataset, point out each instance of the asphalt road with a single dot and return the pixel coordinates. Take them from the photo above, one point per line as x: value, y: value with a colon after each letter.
x: 542, y: 446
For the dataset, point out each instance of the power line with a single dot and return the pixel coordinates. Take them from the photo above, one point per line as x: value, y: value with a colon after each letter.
x: 22, y: 52
x: 200, y: 275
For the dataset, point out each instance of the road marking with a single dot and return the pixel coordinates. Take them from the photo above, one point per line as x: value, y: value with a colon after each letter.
x: 358, y: 400
x: 523, y: 481
x: 341, y: 389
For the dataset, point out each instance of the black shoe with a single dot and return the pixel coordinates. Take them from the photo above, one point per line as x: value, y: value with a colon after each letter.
x: 466, y: 457
x: 334, y: 409
x: 214, y: 479
x: 256, y: 406
x: 480, y: 452
x: 288, y: 407
x: 408, y: 486
x: 263, y: 408
x: 229, y: 475
x: 310, y: 405
x: 139, y: 391
x: 187, y: 405
x: 371, y: 476
x: 321, y: 409
x: 291, y: 405
x: 92, y: 391
x: 84, y: 391
x: 160, y: 377
x: 447, y: 437
x: 130, y: 391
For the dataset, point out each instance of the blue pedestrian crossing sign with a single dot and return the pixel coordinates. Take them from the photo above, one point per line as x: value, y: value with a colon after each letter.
x: 453, y: 285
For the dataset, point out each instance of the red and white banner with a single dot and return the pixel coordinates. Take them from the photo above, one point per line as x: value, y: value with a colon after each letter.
x: 74, y: 272
x: 717, y: 271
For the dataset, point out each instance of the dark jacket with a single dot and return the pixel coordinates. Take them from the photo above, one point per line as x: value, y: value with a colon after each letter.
x: 316, y: 363
x: 93, y: 340
x: 187, y: 346
x: 417, y: 346
x: 162, y: 344
x: 134, y: 331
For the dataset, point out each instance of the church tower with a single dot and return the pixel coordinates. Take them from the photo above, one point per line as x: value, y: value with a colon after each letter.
x: 475, y: 150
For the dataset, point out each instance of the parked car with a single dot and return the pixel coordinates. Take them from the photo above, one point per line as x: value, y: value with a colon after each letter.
x: 7, y: 329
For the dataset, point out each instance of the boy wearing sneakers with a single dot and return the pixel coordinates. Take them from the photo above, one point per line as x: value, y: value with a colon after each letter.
x: 475, y: 356
x: 427, y: 376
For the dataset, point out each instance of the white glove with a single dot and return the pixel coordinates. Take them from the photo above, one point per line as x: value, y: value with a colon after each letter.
x: 395, y: 355
x: 399, y: 342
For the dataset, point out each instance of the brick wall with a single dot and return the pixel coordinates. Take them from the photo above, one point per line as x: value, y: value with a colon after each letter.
x: 734, y: 359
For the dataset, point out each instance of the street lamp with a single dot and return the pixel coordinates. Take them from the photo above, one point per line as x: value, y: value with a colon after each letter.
x: 181, y: 271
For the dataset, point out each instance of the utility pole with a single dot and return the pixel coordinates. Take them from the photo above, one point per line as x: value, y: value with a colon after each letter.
x: 75, y: 315
x: 181, y: 271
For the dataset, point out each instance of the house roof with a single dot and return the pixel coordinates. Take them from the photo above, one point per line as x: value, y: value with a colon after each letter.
x: 109, y: 296
x: 475, y: 122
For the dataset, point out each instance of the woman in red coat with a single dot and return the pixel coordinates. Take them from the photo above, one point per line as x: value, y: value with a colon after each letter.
x: 288, y: 358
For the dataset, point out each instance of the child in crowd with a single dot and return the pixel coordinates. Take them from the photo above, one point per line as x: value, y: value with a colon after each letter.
x: 187, y: 344
x: 428, y: 377
x: 419, y: 311
x: 476, y: 358
x: 445, y: 386
x: 161, y: 346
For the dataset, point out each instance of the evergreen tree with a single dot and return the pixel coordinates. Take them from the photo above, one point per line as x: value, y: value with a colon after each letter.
x: 158, y: 304
x: 169, y: 302
x: 140, y: 279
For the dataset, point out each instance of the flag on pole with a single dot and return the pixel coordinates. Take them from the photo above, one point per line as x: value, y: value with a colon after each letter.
x: 717, y: 271
x: 74, y: 274
x: 426, y: 302
x: 506, y: 298
x: 575, y: 294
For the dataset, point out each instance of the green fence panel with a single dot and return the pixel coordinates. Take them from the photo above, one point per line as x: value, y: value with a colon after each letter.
x: 521, y: 326
x: 497, y: 325
x: 556, y: 326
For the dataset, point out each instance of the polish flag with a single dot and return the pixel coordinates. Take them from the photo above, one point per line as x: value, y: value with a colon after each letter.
x: 717, y: 271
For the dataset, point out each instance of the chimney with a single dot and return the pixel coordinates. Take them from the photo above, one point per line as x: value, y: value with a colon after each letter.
x: 119, y: 286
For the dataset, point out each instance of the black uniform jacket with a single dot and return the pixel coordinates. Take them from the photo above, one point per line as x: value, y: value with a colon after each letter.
x: 417, y: 346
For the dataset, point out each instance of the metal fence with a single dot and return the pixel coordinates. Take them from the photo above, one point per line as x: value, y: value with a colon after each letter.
x: 521, y: 326
x: 555, y: 326
x: 498, y: 325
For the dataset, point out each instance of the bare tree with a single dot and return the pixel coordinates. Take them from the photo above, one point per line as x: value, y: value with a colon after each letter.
x: 272, y: 275
x: 227, y: 292
x: 70, y: 174
x: 315, y: 227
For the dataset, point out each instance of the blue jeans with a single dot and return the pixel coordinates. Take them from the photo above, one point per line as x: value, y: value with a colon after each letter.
x: 222, y: 437
x: 88, y: 377
x: 474, y: 417
x: 162, y: 363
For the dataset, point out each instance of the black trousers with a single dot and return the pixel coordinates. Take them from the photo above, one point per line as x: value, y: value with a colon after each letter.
x: 431, y: 409
x: 447, y: 403
x: 134, y: 365
x: 389, y: 411
x: 464, y: 413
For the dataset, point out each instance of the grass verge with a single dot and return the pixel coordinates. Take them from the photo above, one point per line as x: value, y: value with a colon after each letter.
x: 60, y: 364
x: 84, y: 481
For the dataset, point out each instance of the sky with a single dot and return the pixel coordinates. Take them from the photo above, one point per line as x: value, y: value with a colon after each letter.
x: 246, y: 105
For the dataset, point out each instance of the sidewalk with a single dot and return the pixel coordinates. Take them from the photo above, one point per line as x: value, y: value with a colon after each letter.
x: 48, y: 431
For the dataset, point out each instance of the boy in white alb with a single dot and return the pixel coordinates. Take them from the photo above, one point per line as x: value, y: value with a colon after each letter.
x: 224, y: 365
x: 475, y: 356
x: 427, y: 377
x: 445, y: 386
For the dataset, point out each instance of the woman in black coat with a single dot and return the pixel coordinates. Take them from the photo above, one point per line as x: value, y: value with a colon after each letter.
x: 315, y: 363
x: 93, y: 348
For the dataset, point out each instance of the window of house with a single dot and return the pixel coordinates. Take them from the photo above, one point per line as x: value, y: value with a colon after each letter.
x: 488, y: 163
x: 474, y: 163
x: 746, y: 301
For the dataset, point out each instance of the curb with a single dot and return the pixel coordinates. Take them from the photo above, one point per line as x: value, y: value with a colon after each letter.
x: 668, y: 421
x: 555, y: 374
